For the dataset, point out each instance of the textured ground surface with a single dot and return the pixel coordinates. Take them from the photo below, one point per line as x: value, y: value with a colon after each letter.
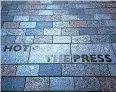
x: 56, y: 45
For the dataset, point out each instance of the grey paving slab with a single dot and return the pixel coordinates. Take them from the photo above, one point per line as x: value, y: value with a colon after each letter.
x: 86, y: 17
x: 53, y: 18
x: 34, y: 6
x: 8, y: 7
x: 113, y: 38
x: 24, y: 39
x: 24, y: 7
x: 12, y: 83
x: 44, y: 25
x: 7, y: 39
x: 27, y: 25
x: 11, y: 24
x: 76, y: 11
x: 108, y: 10
x: 107, y: 83
x: 52, y: 31
x: 112, y: 69
x: 114, y: 47
x: 70, y: 31
x: 4, y: 13
x: 37, y: 18
x: 50, y: 53
x: 100, y: 38
x: 8, y: 70
x: 43, y: 39
x: 4, y: 32
x: 61, y: 83
x: 91, y: 11
x: 86, y: 83
x: 27, y: 70
x: 6, y: 18
x: 18, y: 2
x: 81, y: 39
x: 60, y: 12
x: 37, y: 83
x: 53, y: 7
x: 11, y: 54
x: 73, y: 70
x: 102, y: 16
x: 21, y: 18
x: 34, y: 32
x: 61, y: 39
x: 60, y: 24
x: 78, y: 24
x: 50, y: 70
x: 46, y: 2
x: 81, y: 6
x: 110, y: 22
x: 45, y: 12
x: 69, y: 17
x: 96, y: 70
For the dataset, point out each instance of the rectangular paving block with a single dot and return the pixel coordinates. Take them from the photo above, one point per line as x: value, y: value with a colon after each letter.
x: 50, y: 70
x: 61, y: 39
x: 112, y: 68
x: 21, y: 18
x: 113, y: 38
x: 52, y: 31
x: 69, y: 17
x: 100, y: 38
x: 53, y: 18
x: 60, y: 24
x: 110, y: 22
x: 33, y: 32
x: 50, y: 53
x: 24, y: 7
x: 24, y: 39
x: 37, y: 18
x: 37, y: 83
x: 60, y: 12
x: 96, y: 70
x: 70, y: 31
x: 8, y: 7
x: 11, y: 24
x: 114, y: 47
x: 38, y: 6
x: 81, y: 39
x: 4, y: 32
x: 18, y: 2
x: 86, y: 17
x: 27, y: 70
x: 43, y: 39
x: 4, y: 13
x: 12, y: 83
x: 81, y: 6
x: 27, y: 25
x: 14, y: 54
x: 44, y: 25
x: 73, y: 70
x: 86, y: 83
x: 76, y: 11
x: 45, y: 12
x: 8, y: 70
x: 53, y: 6
x: 78, y: 24
x: 91, y: 11
x: 102, y: 16
x: 6, y: 18
x: 61, y: 83
x: 108, y: 10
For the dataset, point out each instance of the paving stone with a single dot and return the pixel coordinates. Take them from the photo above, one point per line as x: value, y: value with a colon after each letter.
x: 33, y: 2
x: 5, y: 2
x: 44, y: 53
x: 60, y: 2
x: 4, y: 32
x: 76, y: 11
x: 38, y: 6
x: 86, y: 83
x: 44, y: 25
x: 46, y: 2
x: 110, y: 22
x: 88, y: 31
x: 81, y: 39
x: 78, y: 24
x: 21, y: 18
x: 27, y: 70
x: 69, y: 17
x: 95, y: 23
x: 97, y: 5
x: 114, y: 16
x: 15, y: 12
x: 70, y: 31
x: 37, y: 18
x: 61, y: 83
x: 111, y: 4
x: 12, y: 57
x: 18, y: 2
x: 52, y: 31
x: 96, y: 70
x: 4, y: 13
x: 50, y: 70
x: 7, y: 39
x: 53, y: 7
x: 81, y: 6
x: 27, y: 25
x: 6, y: 18
x: 107, y: 83
x: 73, y: 70
x: 36, y: 83
x: 86, y: 17
x: 30, y: 12
x: 60, y: 24
x: 24, y: 39
x: 33, y: 32
x: 43, y: 39
x: 112, y: 68
x: 114, y: 47
x: 8, y: 70
x: 8, y: 7
x: 70, y: 6
x: 11, y: 24
x: 24, y: 7
x: 45, y: 12
x: 60, y: 12
x: 53, y: 18
x: 100, y: 38
x: 12, y: 83
x: 102, y: 16
x: 61, y: 39
x: 107, y: 30
x: 16, y: 32
x: 91, y: 11
x: 108, y: 10
x: 113, y: 38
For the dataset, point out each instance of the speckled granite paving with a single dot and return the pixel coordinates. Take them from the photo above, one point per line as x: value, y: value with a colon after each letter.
x: 58, y: 45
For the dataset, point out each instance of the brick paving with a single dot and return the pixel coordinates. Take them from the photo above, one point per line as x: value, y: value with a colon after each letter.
x: 58, y: 45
